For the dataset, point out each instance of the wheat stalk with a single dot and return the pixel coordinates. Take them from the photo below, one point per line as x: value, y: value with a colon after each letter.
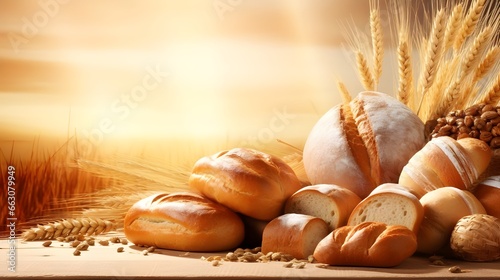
x: 364, y: 71
x: 454, y: 23
x: 346, y: 96
x: 63, y: 228
x: 377, y: 42
x: 492, y: 95
x: 432, y: 56
x: 405, y: 72
x: 469, y: 23
x: 489, y: 60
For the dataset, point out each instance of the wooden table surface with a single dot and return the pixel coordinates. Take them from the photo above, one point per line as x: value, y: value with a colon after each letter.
x: 34, y: 261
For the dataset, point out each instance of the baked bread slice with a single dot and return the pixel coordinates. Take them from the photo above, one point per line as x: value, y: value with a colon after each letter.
x: 331, y: 203
x: 390, y: 204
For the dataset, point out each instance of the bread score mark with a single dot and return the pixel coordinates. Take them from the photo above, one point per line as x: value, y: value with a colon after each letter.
x: 356, y: 143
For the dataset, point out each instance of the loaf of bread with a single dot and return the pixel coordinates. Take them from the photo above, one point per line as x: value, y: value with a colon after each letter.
x: 247, y: 181
x: 294, y: 234
x: 331, y: 203
x: 183, y: 221
x: 488, y: 193
x: 391, y: 204
x: 363, y: 144
x: 371, y: 244
x: 443, y: 208
x: 444, y: 161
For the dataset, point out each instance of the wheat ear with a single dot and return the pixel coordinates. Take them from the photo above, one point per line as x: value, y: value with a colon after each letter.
x: 469, y: 24
x: 474, y: 54
x: 63, y: 228
x: 492, y: 95
x: 346, y: 96
x: 364, y: 71
x: 405, y: 86
x: 432, y: 56
x: 489, y: 60
x: 377, y: 42
x: 454, y: 23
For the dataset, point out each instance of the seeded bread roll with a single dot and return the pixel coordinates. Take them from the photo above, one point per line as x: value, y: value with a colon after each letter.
x: 391, y: 204
x: 247, y: 181
x: 331, y: 203
x: 443, y: 208
x: 363, y: 144
x: 488, y: 193
x: 370, y: 244
x: 183, y: 221
x: 294, y: 234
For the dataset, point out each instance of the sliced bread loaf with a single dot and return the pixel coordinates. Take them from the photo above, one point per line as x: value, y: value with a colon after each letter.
x: 390, y: 204
x: 331, y: 203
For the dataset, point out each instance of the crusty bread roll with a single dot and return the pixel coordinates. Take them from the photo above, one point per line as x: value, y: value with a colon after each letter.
x: 391, y: 204
x: 443, y: 208
x: 294, y: 234
x: 331, y: 203
x: 363, y: 144
x: 488, y: 193
x: 371, y: 244
x: 247, y: 181
x: 183, y: 221
x: 444, y: 161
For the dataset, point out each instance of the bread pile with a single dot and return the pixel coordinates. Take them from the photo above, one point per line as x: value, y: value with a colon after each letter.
x: 378, y: 193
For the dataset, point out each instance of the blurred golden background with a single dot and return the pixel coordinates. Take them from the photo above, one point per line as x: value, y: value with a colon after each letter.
x: 130, y: 72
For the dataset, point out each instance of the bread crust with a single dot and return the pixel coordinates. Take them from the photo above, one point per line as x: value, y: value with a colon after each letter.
x: 294, y: 234
x: 488, y: 193
x: 247, y: 181
x: 359, y: 145
x: 183, y: 221
x: 371, y: 244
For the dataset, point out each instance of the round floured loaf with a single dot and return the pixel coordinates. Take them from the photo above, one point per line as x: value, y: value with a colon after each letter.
x: 363, y: 144
x: 294, y: 234
x: 183, y: 221
x: 331, y: 203
x: 247, y: 181
x: 370, y: 244
x: 443, y: 208
x: 391, y: 204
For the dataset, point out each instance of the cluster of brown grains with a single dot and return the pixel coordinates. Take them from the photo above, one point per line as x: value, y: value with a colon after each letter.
x: 69, y: 227
x: 478, y: 121
x: 83, y: 243
x: 256, y: 256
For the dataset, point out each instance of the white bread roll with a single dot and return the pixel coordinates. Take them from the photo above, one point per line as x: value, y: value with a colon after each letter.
x: 247, y: 181
x: 370, y: 244
x: 331, y: 203
x: 183, y: 221
x: 362, y: 144
x: 443, y: 208
x: 488, y: 193
x: 444, y: 161
x: 294, y: 234
x: 391, y: 204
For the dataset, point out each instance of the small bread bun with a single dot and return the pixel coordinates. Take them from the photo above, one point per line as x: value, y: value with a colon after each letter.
x: 370, y: 244
x: 331, y: 203
x: 391, y: 204
x: 247, y: 181
x: 443, y: 208
x: 294, y: 234
x: 488, y: 193
x: 183, y: 221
